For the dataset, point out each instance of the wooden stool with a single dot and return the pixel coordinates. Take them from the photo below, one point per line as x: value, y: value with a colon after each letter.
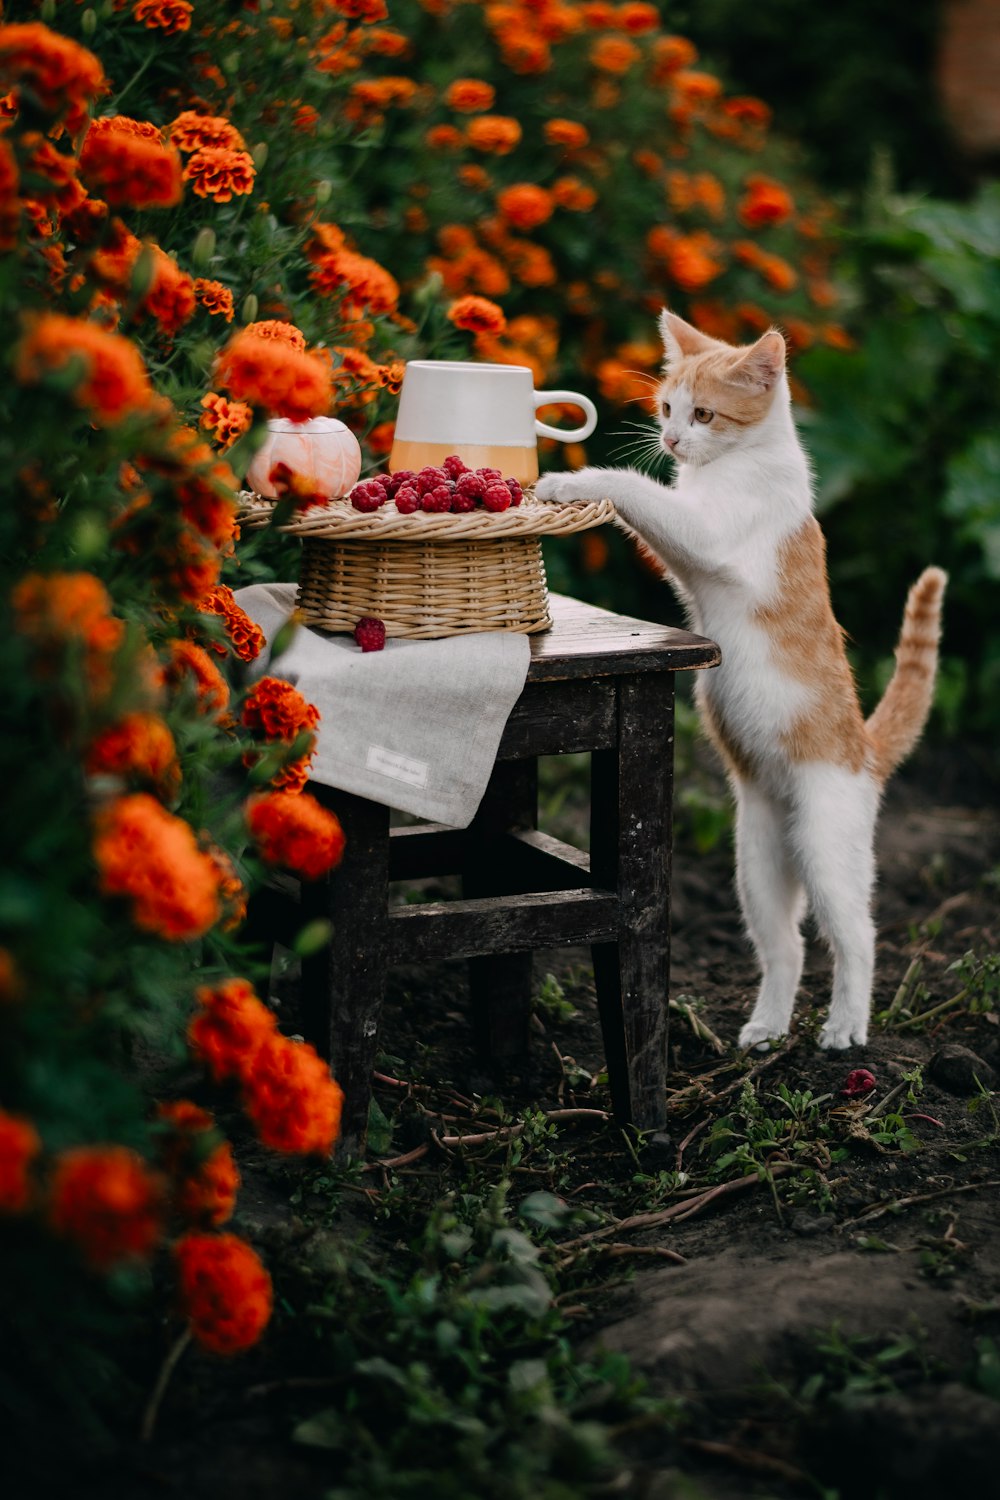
x: 597, y: 682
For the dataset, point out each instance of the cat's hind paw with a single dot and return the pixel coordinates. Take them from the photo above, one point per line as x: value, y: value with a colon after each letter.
x: 759, y: 1035
x: 837, y: 1036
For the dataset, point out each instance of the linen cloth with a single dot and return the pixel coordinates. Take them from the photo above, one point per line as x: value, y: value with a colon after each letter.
x: 415, y: 726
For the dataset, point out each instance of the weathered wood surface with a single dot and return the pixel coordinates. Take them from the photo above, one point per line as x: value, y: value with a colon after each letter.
x: 589, y: 642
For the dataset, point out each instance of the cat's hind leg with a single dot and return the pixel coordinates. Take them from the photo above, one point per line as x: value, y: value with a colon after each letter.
x: 834, y: 836
x: 773, y: 904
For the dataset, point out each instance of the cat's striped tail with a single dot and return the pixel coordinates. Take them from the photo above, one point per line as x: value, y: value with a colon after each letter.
x: 897, y: 723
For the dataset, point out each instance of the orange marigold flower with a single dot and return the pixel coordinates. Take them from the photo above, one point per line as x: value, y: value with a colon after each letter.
x: 10, y: 207
x: 113, y: 382
x: 472, y: 175
x: 694, y: 260
x: 279, y: 329
x: 573, y: 194
x: 54, y: 171
x: 245, y: 636
x: 443, y: 138
x: 532, y: 264
x: 152, y: 858
x: 363, y: 281
x: 525, y: 206
x: 137, y: 744
x: 566, y: 133
x: 671, y: 54
x: 614, y: 55
x: 215, y: 298
x: 698, y: 88
x: 266, y: 372
x: 128, y: 168
x: 296, y: 833
x: 219, y: 173
x: 497, y: 134
x: 192, y: 131
x: 224, y: 1291
x: 291, y: 1098
x: 477, y: 315
x: 379, y: 441
x: 836, y: 337
x: 189, y: 664
x: 278, y: 710
x: 637, y: 17
x: 225, y: 420
x: 58, y: 608
x: 59, y: 75
x: 751, y: 111
x: 229, y: 1029
x: 366, y: 11
x: 598, y: 15
x: 19, y: 1145
x: 469, y: 95
x: 168, y: 16
x: 108, y: 1202
x: 386, y: 43
x: 765, y: 202
x: 206, y: 1178
x: 171, y: 296
x: 11, y: 983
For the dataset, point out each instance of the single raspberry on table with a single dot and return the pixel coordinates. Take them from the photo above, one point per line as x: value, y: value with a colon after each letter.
x: 496, y: 497
x: 398, y: 479
x: 454, y: 466
x: 470, y: 484
x: 370, y: 633
x: 367, y: 496
x: 429, y: 479
x: 516, y: 492
x: 407, y: 499
x: 437, y: 499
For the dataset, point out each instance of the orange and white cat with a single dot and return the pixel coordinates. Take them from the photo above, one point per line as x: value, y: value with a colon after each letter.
x: 742, y: 548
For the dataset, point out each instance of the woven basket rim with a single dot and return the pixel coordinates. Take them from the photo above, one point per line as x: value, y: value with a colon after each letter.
x: 340, y: 521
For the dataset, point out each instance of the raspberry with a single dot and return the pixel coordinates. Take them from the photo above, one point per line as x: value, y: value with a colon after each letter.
x: 428, y: 478
x: 470, y: 484
x: 370, y: 633
x: 497, y: 497
x: 437, y: 499
x: 453, y: 466
x: 489, y: 474
x: 398, y: 479
x: 407, y: 499
x: 461, y: 503
x: 367, y: 496
x: 382, y: 480
x: 516, y: 492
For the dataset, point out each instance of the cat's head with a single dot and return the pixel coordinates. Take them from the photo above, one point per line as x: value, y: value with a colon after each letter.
x: 713, y: 394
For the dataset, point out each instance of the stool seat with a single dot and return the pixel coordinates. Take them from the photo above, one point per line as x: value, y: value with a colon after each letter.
x: 597, y: 682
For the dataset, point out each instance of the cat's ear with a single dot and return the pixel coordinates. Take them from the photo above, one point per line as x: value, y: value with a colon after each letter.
x: 763, y: 363
x: 680, y: 339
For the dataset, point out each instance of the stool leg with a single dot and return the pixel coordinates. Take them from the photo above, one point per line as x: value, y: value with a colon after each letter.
x: 630, y: 853
x: 344, y: 984
x: 500, y: 983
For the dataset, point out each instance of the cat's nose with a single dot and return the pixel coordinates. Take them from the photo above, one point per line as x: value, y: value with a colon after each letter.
x: 671, y: 443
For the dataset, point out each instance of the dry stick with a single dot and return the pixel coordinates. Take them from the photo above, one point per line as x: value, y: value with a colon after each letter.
x: 886, y: 1100
x: 897, y: 1203
x: 937, y: 1010
x: 748, y: 1458
x: 509, y: 1132
x: 685, y: 1143
x: 677, y: 1212
x: 754, y: 1072
x: 701, y: 1029
x: 159, y: 1390
x: 660, y: 1251
x: 397, y: 1161
x: 908, y: 980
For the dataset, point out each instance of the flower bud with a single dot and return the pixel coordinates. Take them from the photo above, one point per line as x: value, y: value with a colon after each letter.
x: 259, y: 154
x: 88, y: 22
x: 142, y: 274
x: 286, y: 634
x: 313, y: 937
x: 250, y: 308
x: 47, y: 10
x: 324, y: 190
x: 203, y: 248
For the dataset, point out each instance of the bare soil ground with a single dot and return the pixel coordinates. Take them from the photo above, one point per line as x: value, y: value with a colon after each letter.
x: 830, y: 1326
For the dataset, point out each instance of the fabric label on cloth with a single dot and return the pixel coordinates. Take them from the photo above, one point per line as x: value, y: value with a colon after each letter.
x: 399, y: 767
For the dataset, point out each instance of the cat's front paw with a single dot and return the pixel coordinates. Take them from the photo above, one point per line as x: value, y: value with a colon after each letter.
x: 557, y: 488
x: 836, y: 1036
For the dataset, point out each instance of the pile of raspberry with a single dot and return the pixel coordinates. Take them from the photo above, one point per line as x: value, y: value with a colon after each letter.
x: 453, y: 487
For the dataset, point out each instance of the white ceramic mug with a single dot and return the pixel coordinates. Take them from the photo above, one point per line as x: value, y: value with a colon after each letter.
x: 484, y: 413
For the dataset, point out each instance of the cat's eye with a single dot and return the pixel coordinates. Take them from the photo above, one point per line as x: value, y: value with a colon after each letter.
x: 702, y: 414
x: 665, y: 408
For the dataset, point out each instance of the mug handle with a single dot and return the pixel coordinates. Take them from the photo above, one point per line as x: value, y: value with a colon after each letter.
x: 566, y: 434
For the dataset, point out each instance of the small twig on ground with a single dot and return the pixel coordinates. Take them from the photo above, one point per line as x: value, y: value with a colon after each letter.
x: 509, y: 1132
x: 754, y: 1073
x: 936, y: 1010
x: 701, y: 1028
x: 291, y: 1383
x: 896, y: 1204
x: 907, y: 982
x: 685, y: 1143
x: 169, y: 1365
x: 882, y: 1105
x: 397, y: 1161
x: 750, y: 1459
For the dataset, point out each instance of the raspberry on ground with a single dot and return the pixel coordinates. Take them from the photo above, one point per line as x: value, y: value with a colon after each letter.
x: 497, y: 497
x: 407, y: 499
x: 367, y: 496
x: 398, y: 479
x: 370, y: 633
x: 453, y: 466
x: 437, y: 499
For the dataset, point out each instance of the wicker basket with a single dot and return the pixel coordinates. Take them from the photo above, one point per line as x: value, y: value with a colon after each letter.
x: 430, y: 575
